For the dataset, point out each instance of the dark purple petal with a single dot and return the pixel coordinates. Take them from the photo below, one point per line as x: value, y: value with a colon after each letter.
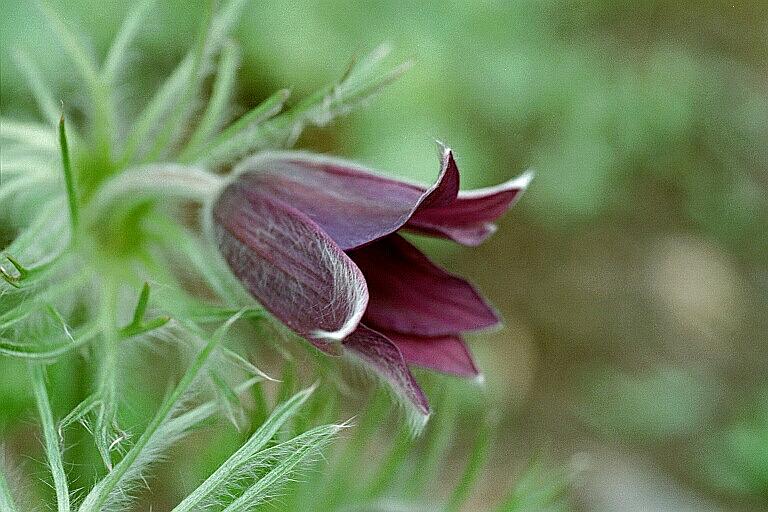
x: 448, y: 354
x: 289, y: 264
x: 383, y: 356
x: 411, y: 295
x: 469, y: 219
x: 445, y: 190
x: 350, y: 203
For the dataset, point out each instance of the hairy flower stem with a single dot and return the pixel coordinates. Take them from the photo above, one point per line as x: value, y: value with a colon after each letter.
x: 99, y: 495
x: 157, y: 181
x: 52, y: 448
x: 108, y: 374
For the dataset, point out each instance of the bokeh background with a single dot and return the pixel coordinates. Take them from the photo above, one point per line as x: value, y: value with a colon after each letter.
x: 633, y: 275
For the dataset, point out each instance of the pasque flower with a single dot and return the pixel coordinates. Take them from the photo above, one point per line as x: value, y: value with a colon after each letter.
x: 316, y: 241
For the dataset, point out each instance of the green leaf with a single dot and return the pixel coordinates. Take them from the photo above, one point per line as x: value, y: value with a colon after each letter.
x: 342, y: 482
x: 232, y: 407
x: 283, y: 460
x: 471, y: 473
x: 537, y: 490
x: 44, y: 296
x: 72, y: 42
x: 222, y: 25
x: 162, y: 102
x: 245, y: 135
x: 37, y: 137
x: 86, y: 65
x: 243, y: 363
x: 79, y: 413
x: 362, y: 80
x: 231, y: 470
x: 215, y: 31
x: 437, y: 439
x: 138, y: 325
x: 151, y: 442
x: 389, y: 467
x: 216, y: 111
x: 13, y: 186
x: 51, y: 352
x: 43, y: 95
x: 50, y: 436
x: 203, y: 257
x: 69, y: 178
x: 116, y: 56
x: 174, y: 125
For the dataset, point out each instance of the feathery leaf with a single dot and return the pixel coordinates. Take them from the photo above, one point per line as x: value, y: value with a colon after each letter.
x: 50, y: 436
x: 116, y: 56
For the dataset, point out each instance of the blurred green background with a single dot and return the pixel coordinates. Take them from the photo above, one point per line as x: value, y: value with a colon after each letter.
x: 633, y: 275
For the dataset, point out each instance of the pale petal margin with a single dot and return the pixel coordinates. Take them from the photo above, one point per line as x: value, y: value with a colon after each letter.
x: 469, y: 219
x: 377, y: 352
x: 352, y: 204
x: 410, y: 294
x: 289, y: 264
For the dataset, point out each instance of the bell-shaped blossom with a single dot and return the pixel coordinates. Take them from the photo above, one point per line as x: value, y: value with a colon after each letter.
x: 316, y: 241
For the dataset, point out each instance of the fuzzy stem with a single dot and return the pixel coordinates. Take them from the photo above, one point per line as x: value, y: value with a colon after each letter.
x: 160, y: 180
x: 99, y: 495
x: 105, y: 419
x: 52, y: 448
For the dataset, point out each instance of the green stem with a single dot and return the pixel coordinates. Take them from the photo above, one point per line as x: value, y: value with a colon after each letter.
x: 105, y: 419
x: 99, y: 495
x: 52, y: 448
x: 156, y: 181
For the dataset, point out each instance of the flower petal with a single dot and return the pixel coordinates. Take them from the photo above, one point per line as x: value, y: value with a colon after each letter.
x: 383, y: 356
x: 448, y: 354
x: 350, y: 203
x: 445, y: 190
x: 411, y: 295
x: 469, y: 219
x: 289, y: 264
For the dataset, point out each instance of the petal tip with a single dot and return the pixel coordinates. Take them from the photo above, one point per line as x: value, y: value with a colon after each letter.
x: 523, y: 180
x: 518, y: 184
x: 379, y: 354
x: 349, y: 326
x: 443, y: 148
x: 418, y: 419
x: 334, y: 336
x: 492, y: 326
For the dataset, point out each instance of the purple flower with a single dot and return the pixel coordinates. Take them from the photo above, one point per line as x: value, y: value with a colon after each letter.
x: 315, y: 240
